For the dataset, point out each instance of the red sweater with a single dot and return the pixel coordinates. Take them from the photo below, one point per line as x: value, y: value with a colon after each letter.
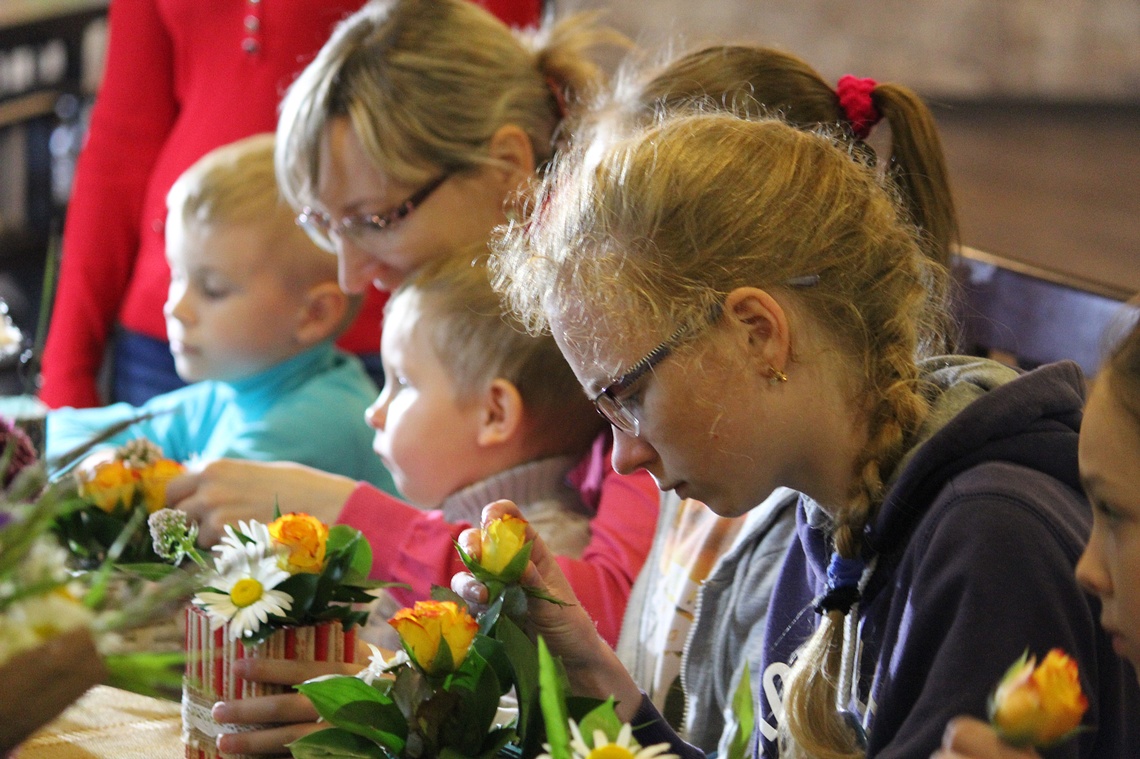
x: 182, y: 77
x: 418, y: 547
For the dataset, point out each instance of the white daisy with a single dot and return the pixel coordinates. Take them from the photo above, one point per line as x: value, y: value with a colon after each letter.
x: 232, y: 550
x: 624, y: 747
x: 379, y: 667
x: 248, y: 596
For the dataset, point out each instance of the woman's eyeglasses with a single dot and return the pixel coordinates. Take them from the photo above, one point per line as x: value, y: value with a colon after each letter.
x: 324, y: 231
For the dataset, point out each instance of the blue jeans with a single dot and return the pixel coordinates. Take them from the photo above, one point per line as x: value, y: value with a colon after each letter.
x: 142, y: 368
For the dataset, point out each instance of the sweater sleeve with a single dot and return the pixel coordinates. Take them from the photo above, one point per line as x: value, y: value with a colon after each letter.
x: 417, y: 547
x: 992, y: 578
x: 133, y: 114
x: 651, y: 729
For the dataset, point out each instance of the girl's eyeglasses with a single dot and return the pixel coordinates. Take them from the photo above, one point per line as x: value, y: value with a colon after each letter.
x: 608, y: 402
x: 361, y: 229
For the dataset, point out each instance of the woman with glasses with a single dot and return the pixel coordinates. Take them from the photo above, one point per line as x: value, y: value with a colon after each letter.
x: 405, y: 140
x: 783, y: 307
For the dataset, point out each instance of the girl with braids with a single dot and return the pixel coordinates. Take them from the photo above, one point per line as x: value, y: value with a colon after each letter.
x: 1110, y: 565
x: 687, y: 602
x: 404, y: 141
x: 749, y: 309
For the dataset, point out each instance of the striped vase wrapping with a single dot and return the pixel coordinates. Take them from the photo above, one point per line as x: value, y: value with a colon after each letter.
x: 209, y: 678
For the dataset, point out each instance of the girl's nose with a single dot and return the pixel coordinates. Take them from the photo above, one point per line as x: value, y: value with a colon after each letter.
x: 1092, y: 573
x: 630, y: 453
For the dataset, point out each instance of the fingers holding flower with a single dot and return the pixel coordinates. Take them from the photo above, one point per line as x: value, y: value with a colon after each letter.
x: 970, y: 738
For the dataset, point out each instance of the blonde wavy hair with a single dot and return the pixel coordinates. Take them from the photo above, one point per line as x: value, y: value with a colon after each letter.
x: 425, y: 84
x: 235, y: 184
x: 653, y: 230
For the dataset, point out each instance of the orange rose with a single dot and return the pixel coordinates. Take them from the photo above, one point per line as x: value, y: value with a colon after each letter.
x: 502, y: 540
x: 108, y: 485
x: 423, y: 628
x: 153, y: 479
x: 1039, y: 705
x: 304, y: 539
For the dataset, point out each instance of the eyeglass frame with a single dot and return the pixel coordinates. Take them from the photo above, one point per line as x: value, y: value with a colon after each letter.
x: 607, y: 403
x: 320, y: 227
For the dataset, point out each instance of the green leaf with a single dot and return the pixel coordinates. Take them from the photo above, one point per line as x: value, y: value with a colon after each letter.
x: 158, y: 675
x: 604, y: 718
x: 335, y: 742
x: 740, y: 743
x: 303, y: 587
x: 148, y: 570
x: 524, y: 659
x: 330, y: 694
x: 553, y: 699
x: 515, y: 568
x: 382, y: 723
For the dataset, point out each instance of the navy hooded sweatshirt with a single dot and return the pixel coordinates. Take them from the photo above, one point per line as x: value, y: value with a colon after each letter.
x: 976, y: 544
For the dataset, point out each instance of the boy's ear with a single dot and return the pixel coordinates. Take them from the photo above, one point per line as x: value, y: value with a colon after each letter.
x: 501, y: 414
x: 513, y: 151
x: 323, y: 311
x: 765, y: 325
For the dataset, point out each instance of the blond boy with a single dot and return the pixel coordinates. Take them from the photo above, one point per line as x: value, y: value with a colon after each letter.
x: 251, y: 314
x: 474, y: 409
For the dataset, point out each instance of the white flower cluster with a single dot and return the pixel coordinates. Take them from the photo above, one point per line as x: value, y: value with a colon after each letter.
x: 28, y: 618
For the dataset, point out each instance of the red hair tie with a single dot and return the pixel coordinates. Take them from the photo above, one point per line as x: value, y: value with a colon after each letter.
x: 855, y: 100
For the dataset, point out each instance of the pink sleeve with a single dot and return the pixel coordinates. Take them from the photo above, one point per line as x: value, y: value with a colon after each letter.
x: 416, y: 547
x: 134, y: 111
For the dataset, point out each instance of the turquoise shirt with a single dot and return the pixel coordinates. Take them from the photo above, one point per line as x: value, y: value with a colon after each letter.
x: 308, y: 409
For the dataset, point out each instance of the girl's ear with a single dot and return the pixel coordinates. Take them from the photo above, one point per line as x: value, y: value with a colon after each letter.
x: 765, y: 324
x: 324, y: 309
x: 501, y: 415
x: 513, y: 153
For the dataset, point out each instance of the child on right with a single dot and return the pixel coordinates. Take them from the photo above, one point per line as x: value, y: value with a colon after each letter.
x: 1109, y: 457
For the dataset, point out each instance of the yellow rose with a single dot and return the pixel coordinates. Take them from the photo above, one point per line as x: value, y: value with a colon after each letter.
x: 423, y: 627
x: 503, y: 538
x: 108, y: 485
x: 153, y: 479
x: 304, y: 539
x: 1039, y: 705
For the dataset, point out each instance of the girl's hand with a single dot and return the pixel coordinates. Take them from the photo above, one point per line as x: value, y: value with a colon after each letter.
x: 292, y: 709
x: 591, y: 665
x: 227, y: 490
x: 969, y: 738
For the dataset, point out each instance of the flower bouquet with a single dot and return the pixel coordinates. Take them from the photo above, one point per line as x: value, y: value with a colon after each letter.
x: 56, y: 630
x: 118, y: 491
x: 442, y: 695
x: 291, y: 589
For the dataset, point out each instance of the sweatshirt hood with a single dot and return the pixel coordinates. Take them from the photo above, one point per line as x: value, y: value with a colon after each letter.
x: 982, y: 411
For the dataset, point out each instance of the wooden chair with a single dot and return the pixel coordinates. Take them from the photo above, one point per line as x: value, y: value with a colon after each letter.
x: 1030, y: 316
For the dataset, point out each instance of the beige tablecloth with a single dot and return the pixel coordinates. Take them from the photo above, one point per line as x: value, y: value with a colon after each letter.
x: 108, y: 723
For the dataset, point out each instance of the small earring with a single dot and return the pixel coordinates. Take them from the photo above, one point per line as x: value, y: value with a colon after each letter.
x: 775, y: 376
